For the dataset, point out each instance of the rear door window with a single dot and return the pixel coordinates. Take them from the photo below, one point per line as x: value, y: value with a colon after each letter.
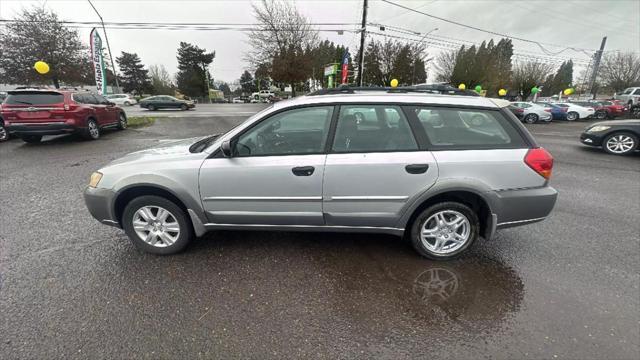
x: 467, y: 129
x: 373, y: 128
x: 34, y: 98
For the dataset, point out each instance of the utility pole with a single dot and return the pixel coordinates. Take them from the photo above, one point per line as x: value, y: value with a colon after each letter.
x: 362, y: 35
x: 113, y: 66
x: 596, y: 65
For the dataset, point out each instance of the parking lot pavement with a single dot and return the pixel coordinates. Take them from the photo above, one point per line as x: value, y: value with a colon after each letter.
x: 201, y: 110
x: 72, y: 288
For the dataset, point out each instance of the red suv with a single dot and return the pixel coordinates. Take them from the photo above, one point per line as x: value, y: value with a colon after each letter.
x: 30, y: 114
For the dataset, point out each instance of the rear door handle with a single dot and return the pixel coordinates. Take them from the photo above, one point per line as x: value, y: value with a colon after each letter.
x: 303, y: 170
x: 417, y: 168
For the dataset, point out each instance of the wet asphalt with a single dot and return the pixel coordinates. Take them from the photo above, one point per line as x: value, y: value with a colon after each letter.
x: 568, y: 287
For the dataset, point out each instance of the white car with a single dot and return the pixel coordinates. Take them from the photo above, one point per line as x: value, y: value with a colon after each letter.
x: 630, y: 96
x: 122, y: 99
x: 530, y: 112
x: 237, y: 100
x: 575, y: 112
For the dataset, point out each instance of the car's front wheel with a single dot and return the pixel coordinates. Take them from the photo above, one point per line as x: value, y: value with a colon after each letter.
x: 443, y: 231
x: 621, y: 143
x: 601, y: 115
x: 184, y: 107
x: 122, y: 121
x: 151, y: 107
x: 156, y: 225
x: 531, y: 118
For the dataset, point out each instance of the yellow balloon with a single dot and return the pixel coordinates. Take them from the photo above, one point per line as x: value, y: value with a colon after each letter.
x: 568, y: 91
x: 502, y: 92
x: 41, y: 67
x: 394, y: 83
x: 462, y: 86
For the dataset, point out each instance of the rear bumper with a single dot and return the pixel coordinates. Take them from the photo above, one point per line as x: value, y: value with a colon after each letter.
x: 98, y: 203
x: 41, y: 129
x: 524, y: 206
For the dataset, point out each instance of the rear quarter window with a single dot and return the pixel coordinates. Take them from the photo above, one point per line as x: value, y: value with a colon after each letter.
x: 468, y: 129
x: 34, y: 98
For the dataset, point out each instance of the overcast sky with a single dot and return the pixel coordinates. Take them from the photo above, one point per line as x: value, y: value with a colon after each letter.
x: 574, y: 23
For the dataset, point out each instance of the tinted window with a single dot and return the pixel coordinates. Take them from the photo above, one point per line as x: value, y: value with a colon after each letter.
x: 627, y: 91
x: 371, y: 128
x: 637, y: 92
x: 100, y: 99
x: 34, y: 98
x: 468, y: 128
x: 297, y: 131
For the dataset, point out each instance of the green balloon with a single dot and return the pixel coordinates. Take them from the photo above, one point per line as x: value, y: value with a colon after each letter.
x: 534, y: 90
x: 478, y: 88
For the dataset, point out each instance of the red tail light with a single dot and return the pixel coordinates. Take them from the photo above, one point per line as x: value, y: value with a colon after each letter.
x: 563, y: 109
x: 518, y: 110
x: 547, y: 110
x: 540, y: 161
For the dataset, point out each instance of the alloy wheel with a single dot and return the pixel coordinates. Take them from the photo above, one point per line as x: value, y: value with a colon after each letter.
x: 4, y: 135
x: 123, y: 121
x: 620, y: 144
x: 93, y: 130
x: 572, y: 116
x: 445, y: 232
x: 156, y: 226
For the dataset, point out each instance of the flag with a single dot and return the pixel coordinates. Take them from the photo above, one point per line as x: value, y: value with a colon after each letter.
x: 98, y: 62
x: 345, y: 66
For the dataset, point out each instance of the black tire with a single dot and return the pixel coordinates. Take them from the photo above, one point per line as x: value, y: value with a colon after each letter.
x: 184, y: 107
x: 92, y: 131
x: 186, y: 231
x: 122, y: 121
x: 32, y: 139
x: 572, y: 116
x: 629, y: 135
x: 424, y: 216
x: 531, y: 118
x: 126, y: 103
x: 151, y: 107
x: 4, y: 134
x: 601, y: 115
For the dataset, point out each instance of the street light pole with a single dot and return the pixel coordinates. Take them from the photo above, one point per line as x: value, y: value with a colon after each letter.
x: 115, y: 73
x: 413, y: 76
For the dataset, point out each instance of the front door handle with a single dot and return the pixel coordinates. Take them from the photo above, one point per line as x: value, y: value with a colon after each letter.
x: 417, y: 168
x: 303, y: 170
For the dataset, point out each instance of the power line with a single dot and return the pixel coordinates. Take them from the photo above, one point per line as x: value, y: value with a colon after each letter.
x: 539, y: 44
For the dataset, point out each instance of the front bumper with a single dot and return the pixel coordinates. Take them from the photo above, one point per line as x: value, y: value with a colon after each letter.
x: 592, y: 139
x: 524, y: 206
x: 56, y: 128
x: 99, y: 203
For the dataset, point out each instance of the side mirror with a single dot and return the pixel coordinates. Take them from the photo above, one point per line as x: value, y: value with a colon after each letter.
x: 109, y: 103
x: 226, y: 148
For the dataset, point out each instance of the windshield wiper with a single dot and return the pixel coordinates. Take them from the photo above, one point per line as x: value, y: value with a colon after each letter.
x: 22, y: 102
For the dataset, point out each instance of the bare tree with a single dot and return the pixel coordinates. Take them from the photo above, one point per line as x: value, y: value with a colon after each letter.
x: 280, y: 27
x: 620, y: 70
x: 527, y: 74
x: 444, y: 64
x: 161, y: 80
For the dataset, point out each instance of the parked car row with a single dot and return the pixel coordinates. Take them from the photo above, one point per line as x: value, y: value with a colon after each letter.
x: 532, y: 112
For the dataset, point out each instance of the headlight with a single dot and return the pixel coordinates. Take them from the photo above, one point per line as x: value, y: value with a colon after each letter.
x: 598, y: 128
x: 95, y: 179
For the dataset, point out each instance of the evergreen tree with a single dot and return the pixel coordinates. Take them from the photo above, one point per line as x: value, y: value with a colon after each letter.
x: 192, y: 70
x: 247, y: 84
x: 134, y: 78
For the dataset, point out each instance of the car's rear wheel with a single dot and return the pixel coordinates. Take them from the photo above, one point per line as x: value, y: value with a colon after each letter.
x: 31, y: 139
x: 92, y: 132
x: 531, y: 118
x: 156, y: 225
x: 151, y: 108
x: 184, y: 107
x: 620, y: 143
x: 4, y: 134
x: 122, y: 121
x: 601, y: 115
x: 572, y: 116
x: 443, y: 231
x: 127, y: 103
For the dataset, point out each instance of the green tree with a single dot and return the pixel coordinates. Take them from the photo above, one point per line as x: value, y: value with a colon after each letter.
x: 192, y: 69
x: 562, y: 79
x: 291, y: 66
x: 247, y: 84
x: 133, y: 76
x: 262, y: 76
x: 23, y: 43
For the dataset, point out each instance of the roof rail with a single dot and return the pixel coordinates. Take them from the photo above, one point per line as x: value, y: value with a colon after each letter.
x: 425, y: 89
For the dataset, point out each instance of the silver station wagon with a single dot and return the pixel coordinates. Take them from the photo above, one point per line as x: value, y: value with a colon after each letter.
x: 441, y: 170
